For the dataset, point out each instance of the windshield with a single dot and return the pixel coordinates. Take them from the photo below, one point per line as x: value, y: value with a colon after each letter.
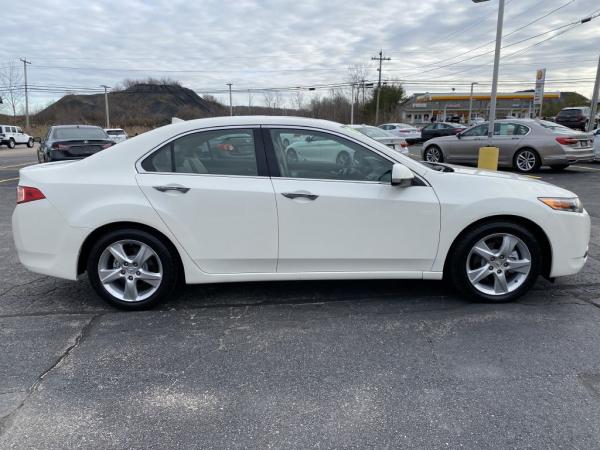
x: 556, y: 128
x: 76, y: 133
x: 115, y: 132
x: 570, y: 112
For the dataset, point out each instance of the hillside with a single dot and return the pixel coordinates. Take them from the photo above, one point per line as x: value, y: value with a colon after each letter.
x: 138, y: 105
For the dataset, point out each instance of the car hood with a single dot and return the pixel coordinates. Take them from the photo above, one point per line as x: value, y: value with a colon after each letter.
x: 530, y: 183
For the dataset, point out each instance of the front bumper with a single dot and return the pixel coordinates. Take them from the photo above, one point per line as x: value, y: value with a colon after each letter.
x: 569, y: 235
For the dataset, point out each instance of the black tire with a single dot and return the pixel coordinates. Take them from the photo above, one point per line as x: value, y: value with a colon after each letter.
x: 343, y: 159
x: 559, y: 166
x: 292, y: 156
x: 456, y: 267
x: 40, y: 155
x: 433, y: 154
x: 30, y: 143
x: 11, y: 143
x: 168, y: 260
x: 534, y: 162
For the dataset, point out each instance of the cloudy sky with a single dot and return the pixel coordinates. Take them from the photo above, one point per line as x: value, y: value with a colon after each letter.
x: 434, y: 45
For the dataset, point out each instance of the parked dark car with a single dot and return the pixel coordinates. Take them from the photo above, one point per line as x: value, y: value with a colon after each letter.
x: 64, y: 142
x: 438, y: 129
x: 576, y: 117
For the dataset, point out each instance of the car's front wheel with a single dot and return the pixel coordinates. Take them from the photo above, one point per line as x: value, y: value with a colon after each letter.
x: 132, y: 269
x: 495, y: 262
x: 433, y: 154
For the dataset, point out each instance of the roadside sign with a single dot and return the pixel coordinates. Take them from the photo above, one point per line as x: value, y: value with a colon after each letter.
x: 540, y: 78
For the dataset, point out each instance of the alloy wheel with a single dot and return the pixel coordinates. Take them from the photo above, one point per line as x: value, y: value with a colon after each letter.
x: 498, y: 264
x: 130, y: 270
x: 433, y: 154
x: 526, y: 161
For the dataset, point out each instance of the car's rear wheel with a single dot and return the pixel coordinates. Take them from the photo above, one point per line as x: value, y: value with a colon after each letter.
x: 495, y: 262
x: 40, y: 155
x: 526, y: 160
x: 11, y: 143
x: 30, y: 143
x: 433, y: 154
x: 132, y: 269
x: 559, y: 166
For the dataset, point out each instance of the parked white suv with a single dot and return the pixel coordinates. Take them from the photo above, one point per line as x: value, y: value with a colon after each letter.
x: 11, y: 135
x: 116, y: 134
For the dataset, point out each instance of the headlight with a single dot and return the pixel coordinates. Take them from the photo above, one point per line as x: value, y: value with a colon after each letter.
x: 563, y: 204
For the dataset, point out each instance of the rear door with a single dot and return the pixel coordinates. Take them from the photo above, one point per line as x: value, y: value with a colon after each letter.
x: 218, y: 203
x: 507, y: 137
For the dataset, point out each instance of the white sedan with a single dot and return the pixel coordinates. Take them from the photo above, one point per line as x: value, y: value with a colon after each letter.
x: 176, y: 205
x: 403, y: 130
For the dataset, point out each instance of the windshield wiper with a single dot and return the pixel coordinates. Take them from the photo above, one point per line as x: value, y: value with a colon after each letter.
x: 439, y: 167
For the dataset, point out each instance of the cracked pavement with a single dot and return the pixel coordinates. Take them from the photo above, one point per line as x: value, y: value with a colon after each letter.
x: 300, y: 364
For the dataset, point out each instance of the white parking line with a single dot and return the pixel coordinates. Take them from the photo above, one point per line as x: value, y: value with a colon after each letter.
x: 17, y: 165
x: 585, y: 168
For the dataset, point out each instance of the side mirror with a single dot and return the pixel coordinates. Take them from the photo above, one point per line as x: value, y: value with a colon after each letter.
x: 37, y: 139
x: 402, y: 176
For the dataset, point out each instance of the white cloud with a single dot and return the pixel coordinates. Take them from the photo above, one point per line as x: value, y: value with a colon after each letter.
x: 267, y: 43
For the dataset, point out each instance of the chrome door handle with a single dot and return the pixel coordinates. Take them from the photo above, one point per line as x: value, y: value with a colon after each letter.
x: 294, y: 195
x: 181, y: 189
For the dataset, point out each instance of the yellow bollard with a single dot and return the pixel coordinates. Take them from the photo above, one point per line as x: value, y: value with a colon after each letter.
x: 488, y: 158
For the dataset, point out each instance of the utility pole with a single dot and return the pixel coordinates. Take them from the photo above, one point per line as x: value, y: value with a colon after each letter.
x: 230, y: 100
x: 25, y: 62
x: 471, y: 102
x: 249, y: 102
x: 106, y: 104
x: 352, y: 106
x: 594, y: 107
x: 379, y: 58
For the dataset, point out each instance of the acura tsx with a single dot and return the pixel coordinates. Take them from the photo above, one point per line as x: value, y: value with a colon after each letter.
x: 219, y: 200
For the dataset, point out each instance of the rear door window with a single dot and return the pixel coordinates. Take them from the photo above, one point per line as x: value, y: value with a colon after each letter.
x: 218, y: 152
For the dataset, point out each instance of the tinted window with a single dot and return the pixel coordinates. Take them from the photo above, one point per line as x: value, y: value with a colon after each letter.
x: 220, y: 152
x: 426, y: 128
x: 479, y: 130
x: 323, y: 156
x: 570, y: 113
x: 13, y: 129
x: 75, y: 133
x: 505, y: 129
x: 115, y: 132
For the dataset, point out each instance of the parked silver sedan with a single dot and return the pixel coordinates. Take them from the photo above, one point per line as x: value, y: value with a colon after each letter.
x: 397, y: 143
x: 525, y: 145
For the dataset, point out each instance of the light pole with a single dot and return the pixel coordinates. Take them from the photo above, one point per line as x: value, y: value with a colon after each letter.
x: 25, y: 62
x: 496, y: 65
x: 471, y: 102
x: 230, y: 100
x: 106, y: 104
x: 593, y: 109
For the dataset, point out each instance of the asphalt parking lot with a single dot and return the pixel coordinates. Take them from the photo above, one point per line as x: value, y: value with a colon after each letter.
x: 300, y: 364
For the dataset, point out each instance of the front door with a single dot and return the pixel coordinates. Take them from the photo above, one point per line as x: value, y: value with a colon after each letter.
x: 212, y: 190
x: 336, y: 218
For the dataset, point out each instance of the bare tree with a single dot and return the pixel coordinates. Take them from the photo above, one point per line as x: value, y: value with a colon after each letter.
x: 298, y: 99
x: 11, y: 87
x: 269, y: 98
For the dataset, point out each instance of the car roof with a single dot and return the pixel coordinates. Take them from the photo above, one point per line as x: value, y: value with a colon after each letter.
x: 75, y: 126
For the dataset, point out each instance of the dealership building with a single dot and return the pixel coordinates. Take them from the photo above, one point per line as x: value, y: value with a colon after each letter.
x: 420, y: 108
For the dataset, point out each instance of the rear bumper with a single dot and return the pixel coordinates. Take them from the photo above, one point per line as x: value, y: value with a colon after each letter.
x: 570, y: 157
x: 58, y: 155
x: 45, y: 243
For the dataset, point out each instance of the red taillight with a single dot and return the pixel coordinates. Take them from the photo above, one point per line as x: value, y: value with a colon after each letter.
x: 28, y: 194
x: 403, y: 144
x: 57, y: 146
x: 106, y: 145
x: 226, y: 147
x: 566, y: 140
x: 406, y: 131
